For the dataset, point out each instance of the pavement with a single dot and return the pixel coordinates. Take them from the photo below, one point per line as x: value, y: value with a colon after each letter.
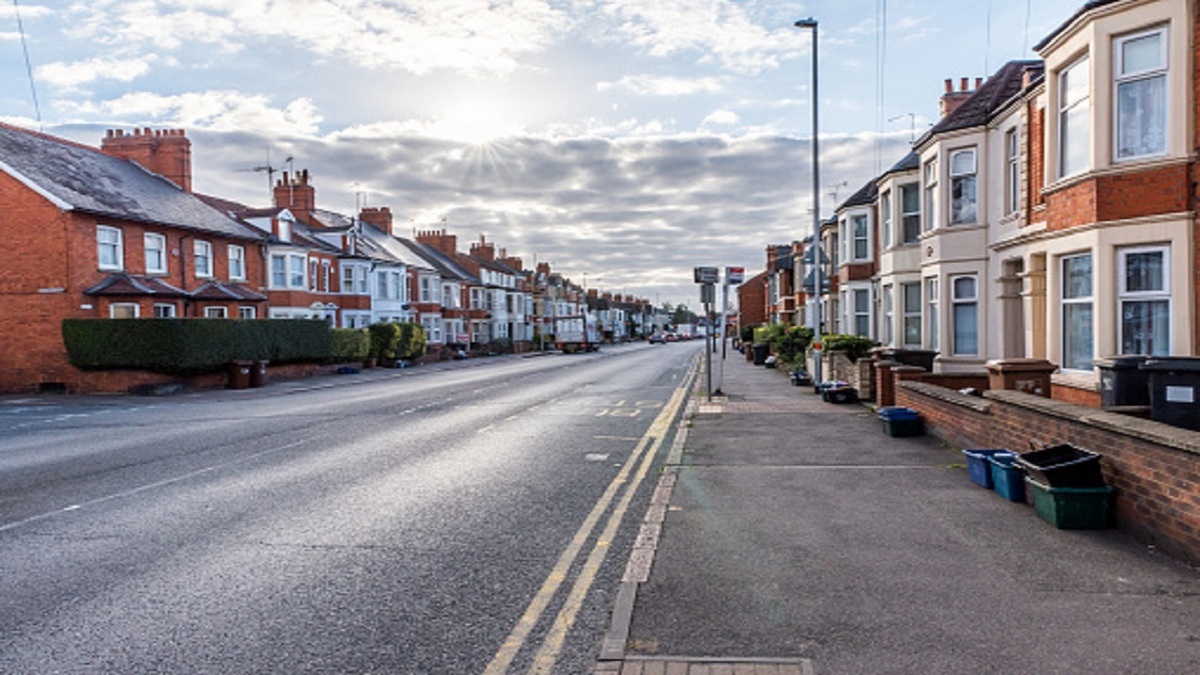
x: 791, y: 536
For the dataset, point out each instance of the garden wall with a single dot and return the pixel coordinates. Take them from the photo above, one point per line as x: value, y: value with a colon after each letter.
x: 1154, y: 467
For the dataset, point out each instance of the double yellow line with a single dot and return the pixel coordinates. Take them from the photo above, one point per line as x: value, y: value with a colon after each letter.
x: 551, y: 647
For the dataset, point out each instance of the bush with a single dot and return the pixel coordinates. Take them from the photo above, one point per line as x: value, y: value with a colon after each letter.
x: 746, y: 333
x: 403, y: 341
x: 185, y: 346
x: 855, y: 346
x: 790, y: 342
x: 348, y: 344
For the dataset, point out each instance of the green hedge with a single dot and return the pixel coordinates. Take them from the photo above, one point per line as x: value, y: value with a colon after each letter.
x: 404, y: 341
x: 191, y: 345
x: 855, y: 346
x: 348, y: 344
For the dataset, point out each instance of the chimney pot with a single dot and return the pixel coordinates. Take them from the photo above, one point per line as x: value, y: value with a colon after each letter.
x: 949, y: 86
x: 963, y: 83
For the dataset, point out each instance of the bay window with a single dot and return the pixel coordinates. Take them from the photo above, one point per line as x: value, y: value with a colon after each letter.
x: 1141, y: 86
x: 965, y: 315
x: 1074, y: 119
x: 1077, y: 340
x: 931, y: 311
x: 911, y: 312
x: 910, y: 213
x: 931, y: 195
x: 962, y: 187
x: 1144, y: 301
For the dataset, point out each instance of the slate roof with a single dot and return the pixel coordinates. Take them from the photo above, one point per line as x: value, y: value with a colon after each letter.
x: 80, y: 178
x: 987, y: 100
x: 909, y: 162
x: 1087, y: 7
x: 864, y: 197
x: 132, y: 284
x: 444, y: 265
x: 215, y: 290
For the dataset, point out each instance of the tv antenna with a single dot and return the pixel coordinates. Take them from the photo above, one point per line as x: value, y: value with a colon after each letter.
x: 270, y: 169
x: 912, y: 125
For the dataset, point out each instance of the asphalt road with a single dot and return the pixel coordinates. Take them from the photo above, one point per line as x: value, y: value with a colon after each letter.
x: 443, y: 519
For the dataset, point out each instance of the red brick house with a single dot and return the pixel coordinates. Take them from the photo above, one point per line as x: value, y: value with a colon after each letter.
x: 113, y: 232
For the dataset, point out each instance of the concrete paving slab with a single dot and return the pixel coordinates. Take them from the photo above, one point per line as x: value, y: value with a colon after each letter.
x: 813, y: 536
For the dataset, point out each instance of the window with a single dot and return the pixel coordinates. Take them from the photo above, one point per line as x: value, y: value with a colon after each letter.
x: 278, y: 271
x: 1145, y: 301
x: 931, y: 182
x: 476, y: 298
x: 1074, y: 123
x: 326, y: 274
x: 109, y: 251
x: 888, y: 314
x: 931, y: 320
x: 295, y: 270
x: 858, y: 231
x: 426, y: 289
x: 247, y: 312
x: 164, y: 310
x: 1077, y: 312
x: 215, y: 313
x: 885, y: 211
x: 123, y: 310
x: 314, y: 276
x: 433, y: 329
x: 911, y: 309
x: 962, y: 187
x: 910, y: 213
x: 862, y: 312
x: 1141, y: 74
x: 202, y: 256
x: 156, y: 253
x: 237, y: 263
x: 381, y: 284
x: 965, y: 316
x: 1012, y: 171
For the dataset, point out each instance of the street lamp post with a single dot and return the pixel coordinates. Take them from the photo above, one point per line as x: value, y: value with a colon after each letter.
x: 815, y: 314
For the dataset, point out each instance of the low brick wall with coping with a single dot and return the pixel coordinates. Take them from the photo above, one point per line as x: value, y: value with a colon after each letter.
x: 1154, y: 467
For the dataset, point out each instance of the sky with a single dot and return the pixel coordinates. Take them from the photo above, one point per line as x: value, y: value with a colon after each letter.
x: 628, y: 140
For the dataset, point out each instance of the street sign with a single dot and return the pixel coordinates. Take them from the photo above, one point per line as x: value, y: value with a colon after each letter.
x: 707, y: 275
x: 708, y: 294
x: 735, y: 275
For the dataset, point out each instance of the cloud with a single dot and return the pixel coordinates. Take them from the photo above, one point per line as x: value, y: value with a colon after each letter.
x: 719, y: 31
x: 721, y: 117
x: 71, y: 75
x: 649, y: 85
x: 216, y: 110
x: 473, y: 36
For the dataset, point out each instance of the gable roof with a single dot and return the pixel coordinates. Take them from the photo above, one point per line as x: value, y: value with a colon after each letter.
x: 864, y: 197
x: 79, y: 178
x: 1087, y: 7
x: 447, y: 268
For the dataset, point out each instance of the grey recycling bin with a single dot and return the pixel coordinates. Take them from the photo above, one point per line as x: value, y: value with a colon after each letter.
x: 1122, y: 381
x: 1174, y: 390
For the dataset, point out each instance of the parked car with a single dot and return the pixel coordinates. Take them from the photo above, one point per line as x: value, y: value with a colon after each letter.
x: 658, y: 339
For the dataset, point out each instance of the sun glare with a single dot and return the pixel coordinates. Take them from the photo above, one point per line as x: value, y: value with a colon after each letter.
x: 474, y: 124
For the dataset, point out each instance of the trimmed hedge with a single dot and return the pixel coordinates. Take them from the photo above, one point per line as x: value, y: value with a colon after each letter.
x: 855, y: 346
x: 404, y: 341
x: 179, y: 346
x: 348, y: 344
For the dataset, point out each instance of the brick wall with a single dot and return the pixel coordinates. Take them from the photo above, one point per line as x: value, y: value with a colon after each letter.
x: 1154, y: 467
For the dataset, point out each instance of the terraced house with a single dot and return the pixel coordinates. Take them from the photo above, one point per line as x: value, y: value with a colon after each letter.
x: 1050, y: 213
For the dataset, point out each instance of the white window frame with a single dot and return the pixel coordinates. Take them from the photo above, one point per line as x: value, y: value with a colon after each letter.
x: 164, y: 310
x: 296, y: 272
x: 217, y: 312
x: 154, y: 242
x: 858, y: 237
x: 964, y: 167
x: 237, y: 263
x: 914, y: 216
x: 930, y: 173
x: 885, y: 211
x: 1012, y: 170
x: 1122, y: 79
x: 861, y: 310
x: 932, y: 309
x: 1127, y: 297
x: 110, y: 248
x: 958, y: 301
x: 910, y: 313
x: 279, y: 271
x: 202, y: 251
x: 112, y: 309
x: 1078, y: 109
x: 247, y: 312
x: 1067, y: 318
x: 889, y: 315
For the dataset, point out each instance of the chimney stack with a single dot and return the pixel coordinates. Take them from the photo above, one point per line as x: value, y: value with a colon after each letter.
x: 380, y: 218
x: 951, y: 99
x: 294, y: 193
x: 166, y: 152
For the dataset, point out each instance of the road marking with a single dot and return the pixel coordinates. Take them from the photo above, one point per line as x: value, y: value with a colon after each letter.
x: 150, y: 486
x: 558, y: 574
